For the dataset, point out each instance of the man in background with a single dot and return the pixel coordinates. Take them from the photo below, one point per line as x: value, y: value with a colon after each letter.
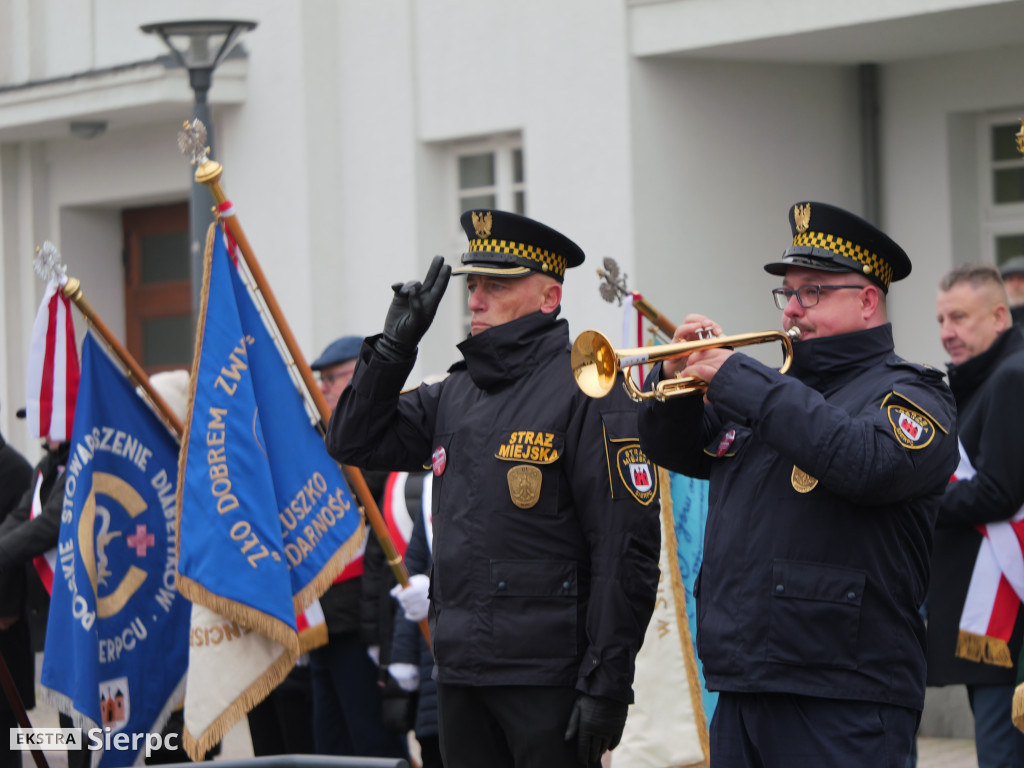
x: 15, y: 480
x: 972, y: 640
x: 347, y: 700
x: 1012, y: 273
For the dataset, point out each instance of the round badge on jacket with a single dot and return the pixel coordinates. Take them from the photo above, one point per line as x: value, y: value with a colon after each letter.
x: 438, y: 461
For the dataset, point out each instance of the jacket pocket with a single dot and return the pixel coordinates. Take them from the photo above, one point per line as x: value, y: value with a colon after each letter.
x: 533, y: 608
x: 814, y: 614
x: 728, y: 442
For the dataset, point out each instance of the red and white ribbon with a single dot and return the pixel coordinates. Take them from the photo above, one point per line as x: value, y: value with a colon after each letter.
x: 53, y: 369
x: 996, y: 588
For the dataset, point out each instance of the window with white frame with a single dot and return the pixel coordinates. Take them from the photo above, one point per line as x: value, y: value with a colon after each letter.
x: 1002, y: 189
x: 488, y: 174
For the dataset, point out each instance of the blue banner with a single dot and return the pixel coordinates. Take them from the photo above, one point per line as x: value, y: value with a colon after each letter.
x: 117, y: 638
x: 690, y: 511
x: 266, y: 518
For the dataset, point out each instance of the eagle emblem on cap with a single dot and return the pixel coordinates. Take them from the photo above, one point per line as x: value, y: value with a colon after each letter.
x: 482, y: 224
x: 802, y: 217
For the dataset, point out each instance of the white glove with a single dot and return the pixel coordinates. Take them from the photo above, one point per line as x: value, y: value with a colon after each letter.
x: 373, y: 651
x: 406, y: 675
x: 414, y: 599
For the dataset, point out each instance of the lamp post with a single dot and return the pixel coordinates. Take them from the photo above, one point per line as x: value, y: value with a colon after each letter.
x: 199, y: 46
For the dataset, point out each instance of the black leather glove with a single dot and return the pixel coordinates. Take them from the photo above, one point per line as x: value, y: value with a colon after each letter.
x: 412, y: 311
x: 397, y: 708
x: 597, y: 724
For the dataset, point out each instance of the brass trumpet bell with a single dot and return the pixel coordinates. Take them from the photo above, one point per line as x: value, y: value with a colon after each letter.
x: 596, y: 363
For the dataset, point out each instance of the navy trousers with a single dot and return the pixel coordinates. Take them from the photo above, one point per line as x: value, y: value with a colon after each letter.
x: 780, y: 730
x: 505, y: 726
x: 999, y: 743
x: 347, y: 702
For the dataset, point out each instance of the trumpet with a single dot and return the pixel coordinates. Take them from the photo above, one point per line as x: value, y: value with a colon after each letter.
x: 596, y: 363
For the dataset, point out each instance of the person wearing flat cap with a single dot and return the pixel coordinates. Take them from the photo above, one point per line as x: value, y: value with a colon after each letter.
x: 825, y: 482
x: 347, y: 675
x: 335, y: 365
x: 545, y: 510
x: 1012, y: 272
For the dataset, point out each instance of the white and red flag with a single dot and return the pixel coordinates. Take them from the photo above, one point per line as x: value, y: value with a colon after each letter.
x: 996, y: 589
x: 53, y: 369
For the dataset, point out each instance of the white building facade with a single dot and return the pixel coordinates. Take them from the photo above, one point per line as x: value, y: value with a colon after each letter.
x: 670, y: 135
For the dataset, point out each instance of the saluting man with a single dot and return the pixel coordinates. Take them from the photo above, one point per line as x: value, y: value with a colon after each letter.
x: 545, y: 541
x: 825, y: 485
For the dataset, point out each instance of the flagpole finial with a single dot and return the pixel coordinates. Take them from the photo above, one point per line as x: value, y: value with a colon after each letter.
x: 192, y: 143
x: 48, y: 264
x: 613, y: 285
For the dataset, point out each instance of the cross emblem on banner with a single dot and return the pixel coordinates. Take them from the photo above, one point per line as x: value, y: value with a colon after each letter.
x: 141, y: 540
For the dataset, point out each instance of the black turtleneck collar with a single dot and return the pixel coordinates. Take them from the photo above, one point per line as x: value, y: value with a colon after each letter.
x: 505, y: 352
x: 823, y: 361
x: 966, y: 377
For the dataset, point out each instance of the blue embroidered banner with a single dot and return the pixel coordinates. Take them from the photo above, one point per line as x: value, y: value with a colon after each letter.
x: 266, y: 518
x: 117, y: 638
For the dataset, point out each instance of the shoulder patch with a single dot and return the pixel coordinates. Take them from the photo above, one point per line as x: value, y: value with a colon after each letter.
x: 895, y: 398
x: 637, y: 473
x: 912, y: 428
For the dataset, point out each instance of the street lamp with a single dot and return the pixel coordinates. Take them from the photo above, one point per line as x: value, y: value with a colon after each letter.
x: 199, y: 46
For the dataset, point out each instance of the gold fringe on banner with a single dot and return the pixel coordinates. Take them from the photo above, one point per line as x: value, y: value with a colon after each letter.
x: 984, y: 649
x: 312, y: 638
x: 1018, y: 695
x: 198, y: 746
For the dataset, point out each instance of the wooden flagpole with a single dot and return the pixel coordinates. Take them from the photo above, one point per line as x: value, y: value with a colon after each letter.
x: 18, y: 707
x: 192, y: 141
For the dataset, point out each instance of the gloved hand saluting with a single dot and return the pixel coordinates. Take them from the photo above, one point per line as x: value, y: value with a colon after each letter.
x: 597, y: 724
x: 412, y: 311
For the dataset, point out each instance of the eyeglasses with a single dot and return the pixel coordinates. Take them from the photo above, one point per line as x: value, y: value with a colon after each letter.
x: 806, y: 295
x: 329, y: 377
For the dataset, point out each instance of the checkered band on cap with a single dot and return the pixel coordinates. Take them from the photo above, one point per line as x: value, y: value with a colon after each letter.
x: 880, y: 269
x: 550, y: 263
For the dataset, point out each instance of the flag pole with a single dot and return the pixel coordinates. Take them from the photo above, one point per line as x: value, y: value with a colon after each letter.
x: 192, y: 141
x: 18, y: 707
x: 48, y: 265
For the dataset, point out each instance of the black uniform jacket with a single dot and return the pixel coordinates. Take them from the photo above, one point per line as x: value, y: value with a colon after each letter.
x: 989, y: 391
x: 825, y: 484
x: 546, y: 525
x: 22, y: 537
x: 15, y: 480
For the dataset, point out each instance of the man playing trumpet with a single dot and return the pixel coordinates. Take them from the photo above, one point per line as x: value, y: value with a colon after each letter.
x: 825, y: 484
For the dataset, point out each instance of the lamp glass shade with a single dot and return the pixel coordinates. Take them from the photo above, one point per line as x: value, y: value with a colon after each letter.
x: 200, y: 44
